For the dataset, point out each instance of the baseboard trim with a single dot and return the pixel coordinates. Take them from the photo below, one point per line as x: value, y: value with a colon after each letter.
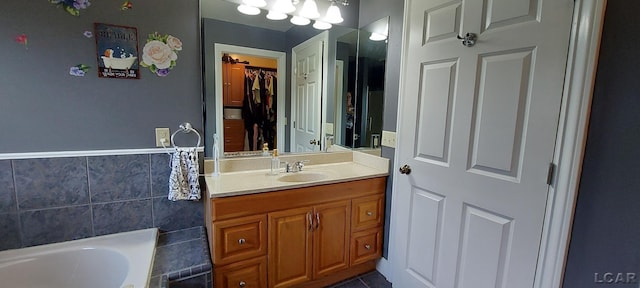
x: 384, y: 267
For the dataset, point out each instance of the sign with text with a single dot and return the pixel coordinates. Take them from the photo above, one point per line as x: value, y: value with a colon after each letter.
x: 117, y: 51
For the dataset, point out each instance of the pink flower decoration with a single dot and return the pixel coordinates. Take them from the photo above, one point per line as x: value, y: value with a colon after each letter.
x: 22, y: 39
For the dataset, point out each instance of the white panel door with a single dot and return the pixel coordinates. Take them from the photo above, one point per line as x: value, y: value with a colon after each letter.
x: 306, y: 101
x: 477, y: 129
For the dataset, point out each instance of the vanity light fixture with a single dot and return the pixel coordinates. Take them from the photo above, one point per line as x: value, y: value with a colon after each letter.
x: 281, y: 9
x: 301, y: 21
x: 333, y: 14
x: 309, y: 9
x: 320, y: 25
x: 275, y: 15
x: 248, y: 10
x: 284, y: 6
x: 255, y: 3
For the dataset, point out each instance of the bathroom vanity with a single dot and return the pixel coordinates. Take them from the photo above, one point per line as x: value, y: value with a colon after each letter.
x: 307, y: 229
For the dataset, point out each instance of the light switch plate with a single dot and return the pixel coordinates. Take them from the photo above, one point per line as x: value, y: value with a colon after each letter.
x: 328, y: 129
x: 163, y: 133
x: 389, y: 139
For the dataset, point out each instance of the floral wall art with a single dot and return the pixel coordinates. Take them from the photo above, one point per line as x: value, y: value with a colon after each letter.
x: 72, y: 6
x: 117, y: 49
x: 161, y: 53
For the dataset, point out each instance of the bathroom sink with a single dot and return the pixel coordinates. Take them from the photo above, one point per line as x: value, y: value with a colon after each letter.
x: 303, y: 177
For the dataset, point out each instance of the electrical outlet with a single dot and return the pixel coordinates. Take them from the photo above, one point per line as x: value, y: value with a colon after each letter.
x: 163, y: 133
x: 389, y: 139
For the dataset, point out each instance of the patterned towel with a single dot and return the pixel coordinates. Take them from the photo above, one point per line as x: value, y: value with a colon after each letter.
x: 183, y: 181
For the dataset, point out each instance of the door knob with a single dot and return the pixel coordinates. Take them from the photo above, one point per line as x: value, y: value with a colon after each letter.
x: 469, y: 39
x: 406, y: 169
x: 314, y: 142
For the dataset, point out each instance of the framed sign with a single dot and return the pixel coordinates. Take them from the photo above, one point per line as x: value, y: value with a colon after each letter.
x: 117, y: 51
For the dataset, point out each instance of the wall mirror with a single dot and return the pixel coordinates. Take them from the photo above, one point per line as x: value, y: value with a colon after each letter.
x: 360, y: 75
x: 234, y: 46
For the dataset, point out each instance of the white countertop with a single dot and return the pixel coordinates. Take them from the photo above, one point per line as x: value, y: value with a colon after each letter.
x: 360, y: 166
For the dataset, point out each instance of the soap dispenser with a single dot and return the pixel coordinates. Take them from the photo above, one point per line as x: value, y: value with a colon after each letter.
x: 275, y: 163
x: 265, y: 149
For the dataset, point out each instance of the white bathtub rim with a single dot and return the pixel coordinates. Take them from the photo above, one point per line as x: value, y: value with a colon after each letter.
x: 137, y: 246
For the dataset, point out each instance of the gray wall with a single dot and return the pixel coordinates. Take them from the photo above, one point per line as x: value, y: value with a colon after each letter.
x: 606, y: 227
x: 43, y: 108
x: 374, y: 10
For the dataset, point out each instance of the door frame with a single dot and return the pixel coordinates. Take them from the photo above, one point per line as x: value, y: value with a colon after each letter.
x: 339, y: 86
x: 324, y: 38
x: 281, y: 57
x: 584, y: 44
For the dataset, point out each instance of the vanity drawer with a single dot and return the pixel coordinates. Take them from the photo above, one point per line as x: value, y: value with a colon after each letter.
x: 366, y: 245
x: 233, y: 135
x: 248, y: 274
x: 366, y: 212
x: 239, y: 239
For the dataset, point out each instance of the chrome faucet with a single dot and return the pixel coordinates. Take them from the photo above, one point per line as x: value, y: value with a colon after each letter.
x: 295, y: 167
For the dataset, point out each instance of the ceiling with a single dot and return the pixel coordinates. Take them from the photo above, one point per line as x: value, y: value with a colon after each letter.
x: 225, y: 10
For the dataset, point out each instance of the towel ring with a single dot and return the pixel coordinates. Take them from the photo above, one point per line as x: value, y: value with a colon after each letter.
x: 185, y: 128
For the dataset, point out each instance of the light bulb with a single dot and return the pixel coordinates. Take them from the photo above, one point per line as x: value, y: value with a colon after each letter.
x: 321, y: 25
x: 297, y: 20
x: 255, y: 3
x: 248, y: 10
x: 274, y: 15
x: 333, y: 14
x: 377, y: 36
x: 284, y: 6
x: 309, y: 9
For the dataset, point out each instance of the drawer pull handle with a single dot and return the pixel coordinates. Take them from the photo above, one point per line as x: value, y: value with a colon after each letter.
x: 242, y: 241
x: 317, y: 220
x: 310, y: 221
x: 242, y: 284
x: 367, y: 246
x: 369, y: 213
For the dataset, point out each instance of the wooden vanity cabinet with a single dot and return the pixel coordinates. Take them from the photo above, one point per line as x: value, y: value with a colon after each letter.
x: 315, y: 236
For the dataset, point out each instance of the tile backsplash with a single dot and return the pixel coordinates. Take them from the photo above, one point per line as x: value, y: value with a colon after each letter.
x: 52, y: 200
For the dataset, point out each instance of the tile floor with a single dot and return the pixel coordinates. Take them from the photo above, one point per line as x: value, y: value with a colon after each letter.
x: 370, y: 280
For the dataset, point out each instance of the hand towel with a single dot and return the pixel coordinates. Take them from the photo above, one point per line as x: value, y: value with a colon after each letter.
x: 183, y: 181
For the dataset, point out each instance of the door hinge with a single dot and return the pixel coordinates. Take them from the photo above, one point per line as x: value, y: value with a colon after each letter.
x: 551, y: 173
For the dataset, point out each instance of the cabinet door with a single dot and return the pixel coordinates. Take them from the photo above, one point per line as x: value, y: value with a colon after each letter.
x: 226, y: 79
x: 331, y: 237
x: 290, y: 247
x: 245, y: 274
x: 236, y: 88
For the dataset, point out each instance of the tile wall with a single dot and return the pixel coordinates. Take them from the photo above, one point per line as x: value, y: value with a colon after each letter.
x: 59, y: 199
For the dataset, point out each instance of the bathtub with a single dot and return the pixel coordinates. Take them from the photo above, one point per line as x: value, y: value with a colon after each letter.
x: 122, y: 260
